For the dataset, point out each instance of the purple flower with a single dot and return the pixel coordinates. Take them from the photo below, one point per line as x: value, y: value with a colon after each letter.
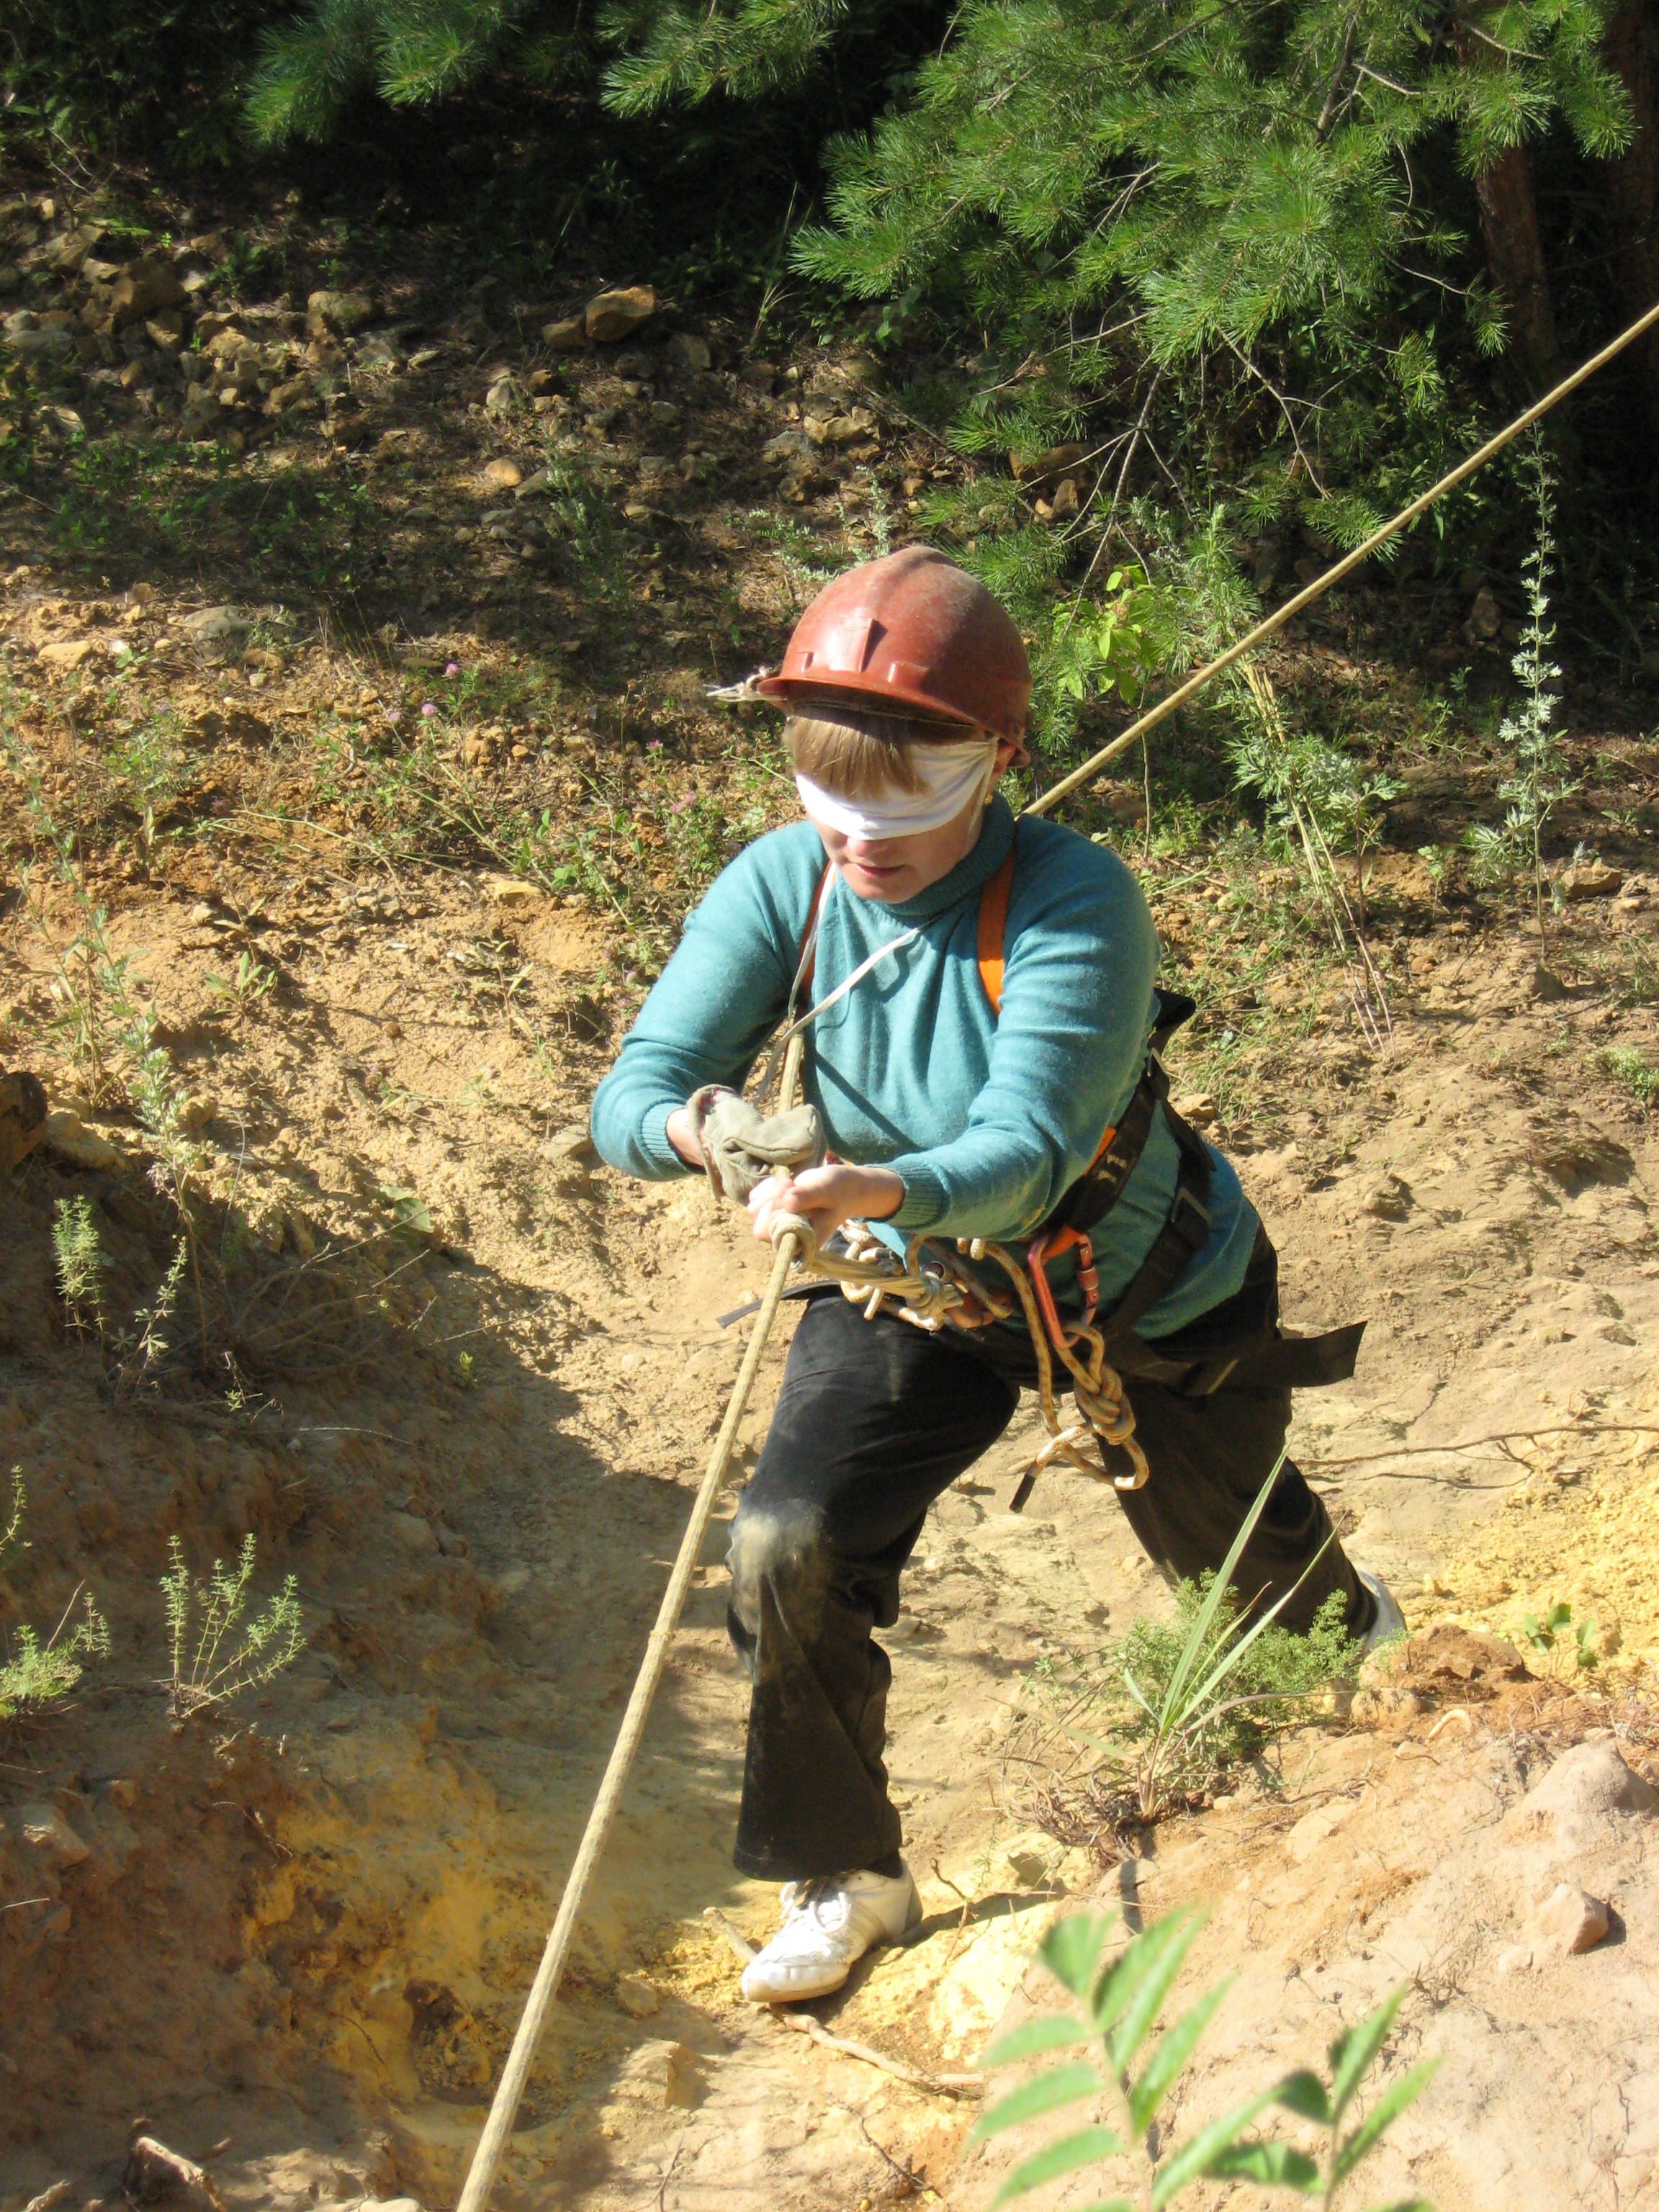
x: 452, y: 668
x: 655, y: 745
x: 428, y: 707
x: 394, y: 713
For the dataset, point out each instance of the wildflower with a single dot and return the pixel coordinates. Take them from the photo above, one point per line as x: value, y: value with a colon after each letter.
x: 452, y: 668
x: 428, y: 706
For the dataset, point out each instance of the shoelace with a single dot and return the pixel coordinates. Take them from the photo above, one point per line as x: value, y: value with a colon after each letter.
x: 810, y: 1896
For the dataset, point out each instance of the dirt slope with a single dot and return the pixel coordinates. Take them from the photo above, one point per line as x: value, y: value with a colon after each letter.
x: 472, y: 1377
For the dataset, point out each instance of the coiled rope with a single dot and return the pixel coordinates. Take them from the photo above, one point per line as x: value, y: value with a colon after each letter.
x: 926, y: 1290
x: 1102, y: 1381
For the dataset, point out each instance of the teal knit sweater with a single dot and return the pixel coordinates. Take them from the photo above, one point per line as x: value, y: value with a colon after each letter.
x: 987, y: 1119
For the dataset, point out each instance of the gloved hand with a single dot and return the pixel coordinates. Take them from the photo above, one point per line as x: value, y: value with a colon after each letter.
x: 741, y: 1146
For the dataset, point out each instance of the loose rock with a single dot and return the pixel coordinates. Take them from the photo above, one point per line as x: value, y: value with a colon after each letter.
x: 687, y: 352
x: 1589, y: 879
x: 142, y: 288
x: 43, y: 1829
x: 610, y: 316
x: 1198, y: 1107
x: 1567, y: 1922
x: 338, y: 312
x: 503, y: 475
x: 569, y: 334
x: 1387, y: 1201
x: 218, y: 632
x: 68, y: 1138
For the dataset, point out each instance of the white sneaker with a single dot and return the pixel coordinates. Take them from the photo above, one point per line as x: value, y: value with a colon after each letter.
x: 827, y: 1924
x: 1390, y: 1621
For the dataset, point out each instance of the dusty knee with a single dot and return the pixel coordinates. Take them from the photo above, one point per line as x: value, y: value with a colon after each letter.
x: 782, y: 1545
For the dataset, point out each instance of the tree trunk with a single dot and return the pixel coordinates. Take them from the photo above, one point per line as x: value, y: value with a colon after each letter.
x: 1634, y: 186
x: 1514, y: 250
x: 1515, y: 254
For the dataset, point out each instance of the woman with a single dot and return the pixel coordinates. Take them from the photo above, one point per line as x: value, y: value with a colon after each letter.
x: 960, y: 1088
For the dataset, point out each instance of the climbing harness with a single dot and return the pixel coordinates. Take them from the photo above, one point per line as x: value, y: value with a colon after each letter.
x: 790, y: 1237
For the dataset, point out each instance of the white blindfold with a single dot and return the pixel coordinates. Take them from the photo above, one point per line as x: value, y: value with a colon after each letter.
x: 952, y: 777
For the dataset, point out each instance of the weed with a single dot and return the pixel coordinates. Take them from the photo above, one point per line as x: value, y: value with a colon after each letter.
x: 1323, y: 804
x: 141, y: 1349
x: 1539, y: 781
x: 79, y: 1259
x: 1636, y: 1073
x: 1120, y: 1999
x: 1560, y: 1638
x: 1180, y: 1702
x: 1434, y: 864
x: 36, y: 1674
x: 250, y: 983
x: 219, y: 1649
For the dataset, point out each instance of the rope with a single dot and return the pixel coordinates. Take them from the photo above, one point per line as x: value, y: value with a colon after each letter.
x: 1320, y: 585
x: 505, y: 2104
x: 925, y: 1288
x: 1099, y: 1389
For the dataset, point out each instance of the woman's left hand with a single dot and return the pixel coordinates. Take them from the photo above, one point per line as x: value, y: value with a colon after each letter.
x: 826, y: 1197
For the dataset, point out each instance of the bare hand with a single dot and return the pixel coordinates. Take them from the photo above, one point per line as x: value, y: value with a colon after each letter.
x: 826, y: 1197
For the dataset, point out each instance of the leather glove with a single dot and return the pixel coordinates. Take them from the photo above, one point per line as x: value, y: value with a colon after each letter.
x: 741, y: 1146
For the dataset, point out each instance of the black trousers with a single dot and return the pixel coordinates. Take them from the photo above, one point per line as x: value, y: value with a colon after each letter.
x: 874, y: 1420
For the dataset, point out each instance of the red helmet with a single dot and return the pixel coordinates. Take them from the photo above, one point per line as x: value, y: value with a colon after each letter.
x: 909, y: 633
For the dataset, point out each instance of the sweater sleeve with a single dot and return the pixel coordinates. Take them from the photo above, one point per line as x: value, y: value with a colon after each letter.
x: 712, y: 1009
x: 1082, y: 954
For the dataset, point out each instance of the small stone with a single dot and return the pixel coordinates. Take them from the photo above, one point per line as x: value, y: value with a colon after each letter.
x: 1197, y: 1107
x: 142, y: 288
x: 1591, y: 879
x: 1567, y: 1922
x: 64, y: 653
x: 1315, y: 1828
x: 638, y: 1997
x: 574, y: 1142
x: 166, y: 330
x: 568, y: 335
x: 619, y: 312
x: 338, y: 312
x: 43, y: 1829
x: 502, y: 397
x: 67, y: 1138
x: 1485, y: 617
x: 503, y: 475
x: 1387, y: 1201
x: 196, y: 1112
x: 1517, y: 1959
x: 411, y: 1533
x: 1384, y: 1707
x: 219, y: 633
x: 511, y: 892
x: 687, y: 353
x: 1054, y: 462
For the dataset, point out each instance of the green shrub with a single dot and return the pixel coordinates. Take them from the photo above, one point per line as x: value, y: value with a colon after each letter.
x: 37, y: 1673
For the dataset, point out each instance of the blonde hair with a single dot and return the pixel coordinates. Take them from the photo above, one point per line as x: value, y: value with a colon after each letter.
x: 857, y: 753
